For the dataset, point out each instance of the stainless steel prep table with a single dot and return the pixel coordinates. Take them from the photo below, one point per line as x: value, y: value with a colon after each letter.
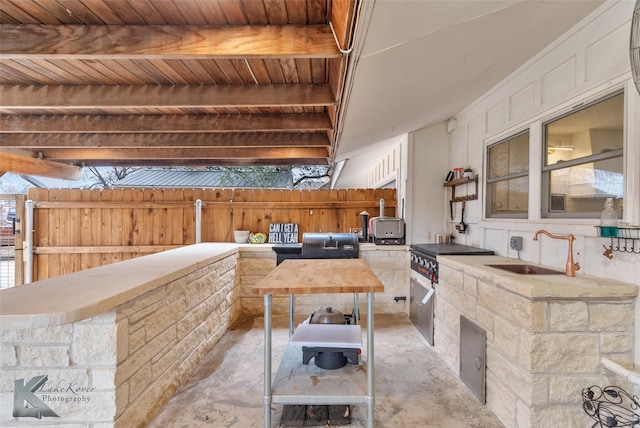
x: 317, y: 276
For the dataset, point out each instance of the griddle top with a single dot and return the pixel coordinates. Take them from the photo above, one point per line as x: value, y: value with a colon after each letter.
x: 450, y: 250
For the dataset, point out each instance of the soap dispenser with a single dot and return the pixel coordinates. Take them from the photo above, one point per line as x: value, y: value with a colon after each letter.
x: 609, y: 219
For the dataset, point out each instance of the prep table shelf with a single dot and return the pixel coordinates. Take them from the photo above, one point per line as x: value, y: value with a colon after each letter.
x: 297, y: 383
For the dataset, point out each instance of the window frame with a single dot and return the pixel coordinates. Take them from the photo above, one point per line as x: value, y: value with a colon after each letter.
x: 545, y: 186
x: 489, y: 181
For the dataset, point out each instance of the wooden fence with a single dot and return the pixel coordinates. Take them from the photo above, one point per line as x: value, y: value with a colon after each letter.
x: 77, y: 229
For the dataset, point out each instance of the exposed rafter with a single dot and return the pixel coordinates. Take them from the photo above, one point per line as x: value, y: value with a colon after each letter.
x: 97, y: 42
x: 172, y: 83
x: 34, y: 166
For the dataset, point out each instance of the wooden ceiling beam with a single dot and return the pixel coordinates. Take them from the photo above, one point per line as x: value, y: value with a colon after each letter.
x: 96, y: 42
x: 303, y: 122
x: 82, y: 97
x: 205, y: 162
x: 343, y: 17
x: 81, y: 154
x: 19, y: 164
x: 42, y: 141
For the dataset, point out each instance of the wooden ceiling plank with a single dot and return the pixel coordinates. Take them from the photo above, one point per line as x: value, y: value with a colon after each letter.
x: 211, y: 10
x: 146, y: 10
x: 317, y: 11
x: 230, y: 72
x: 53, y: 12
x: 78, y: 12
x: 153, y: 42
x: 73, y: 97
x: 47, y: 71
x: 319, y: 70
x: 259, y: 70
x: 26, y: 12
x: 119, y: 72
x: 126, y: 12
x: 297, y: 12
x: 274, y: 69
x: 16, y: 73
x: 91, y: 71
x: 41, y: 167
x: 255, y: 12
x: 151, y: 72
x: 119, y: 124
x: 215, y: 72
x: 105, y: 14
x: 277, y: 12
x: 201, y: 74
x: 303, y: 66
x: 175, y: 71
x: 289, y: 70
x: 234, y: 13
x: 49, y: 141
x: 245, y: 72
x: 158, y: 153
x: 170, y: 12
x: 192, y: 13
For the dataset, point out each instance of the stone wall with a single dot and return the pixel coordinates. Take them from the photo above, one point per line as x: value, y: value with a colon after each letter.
x: 389, y: 263
x: 118, y: 368
x: 77, y: 364
x: 541, y: 354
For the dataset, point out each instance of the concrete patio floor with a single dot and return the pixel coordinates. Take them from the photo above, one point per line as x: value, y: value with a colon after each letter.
x: 414, y: 387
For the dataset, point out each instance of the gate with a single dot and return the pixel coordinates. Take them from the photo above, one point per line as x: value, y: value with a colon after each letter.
x: 11, y: 214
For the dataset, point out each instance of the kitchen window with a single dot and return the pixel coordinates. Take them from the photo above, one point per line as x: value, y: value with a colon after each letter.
x: 508, y: 177
x: 583, y: 160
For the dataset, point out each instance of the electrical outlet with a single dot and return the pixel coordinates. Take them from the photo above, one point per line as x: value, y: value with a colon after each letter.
x: 516, y: 243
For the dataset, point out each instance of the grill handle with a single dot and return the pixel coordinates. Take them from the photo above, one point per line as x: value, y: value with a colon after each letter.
x: 330, y: 247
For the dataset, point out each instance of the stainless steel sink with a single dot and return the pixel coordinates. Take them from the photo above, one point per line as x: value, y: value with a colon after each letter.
x: 526, y: 269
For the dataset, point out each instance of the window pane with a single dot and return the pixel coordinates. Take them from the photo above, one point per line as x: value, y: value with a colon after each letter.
x: 593, y: 130
x: 509, y: 157
x: 509, y: 196
x: 586, y: 186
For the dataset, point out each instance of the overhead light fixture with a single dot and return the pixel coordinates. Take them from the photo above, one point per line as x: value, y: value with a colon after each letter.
x: 559, y: 147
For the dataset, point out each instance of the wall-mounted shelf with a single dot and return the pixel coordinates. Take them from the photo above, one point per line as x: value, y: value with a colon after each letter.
x: 459, y: 182
x: 622, y: 239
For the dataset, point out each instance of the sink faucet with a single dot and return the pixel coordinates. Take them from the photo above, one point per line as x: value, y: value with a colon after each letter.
x: 571, y: 266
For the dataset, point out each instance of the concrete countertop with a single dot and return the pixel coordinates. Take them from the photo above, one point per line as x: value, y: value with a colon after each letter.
x: 81, y: 295
x: 540, y: 287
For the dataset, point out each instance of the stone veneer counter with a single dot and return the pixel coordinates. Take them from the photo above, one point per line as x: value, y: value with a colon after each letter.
x: 108, y: 346
x: 536, y: 287
x: 113, y: 343
x: 80, y: 295
x: 545, y: 336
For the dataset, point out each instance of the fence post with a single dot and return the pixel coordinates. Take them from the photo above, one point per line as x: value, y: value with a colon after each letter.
x: 198, y: 221
x: 28, y: 237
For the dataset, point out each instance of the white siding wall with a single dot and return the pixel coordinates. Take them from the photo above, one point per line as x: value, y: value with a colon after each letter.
x: 589, y: 61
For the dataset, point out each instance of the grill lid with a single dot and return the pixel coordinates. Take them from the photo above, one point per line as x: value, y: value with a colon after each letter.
x: 329, y: 245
